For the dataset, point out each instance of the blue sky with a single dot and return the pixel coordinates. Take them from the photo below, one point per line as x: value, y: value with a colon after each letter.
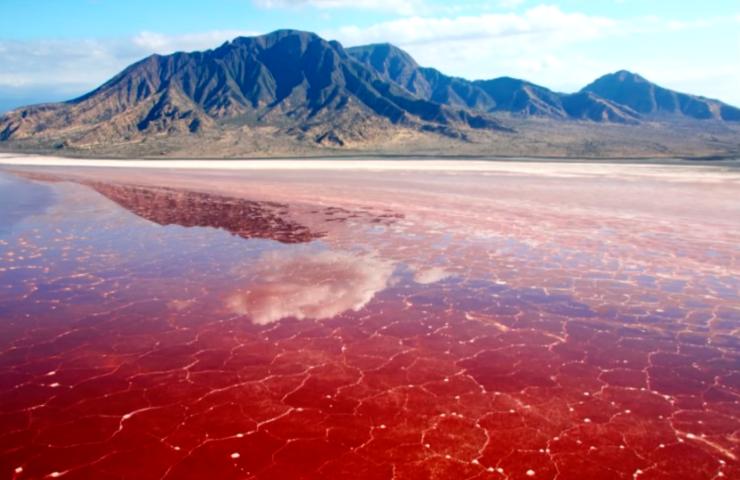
x: 57, y: 49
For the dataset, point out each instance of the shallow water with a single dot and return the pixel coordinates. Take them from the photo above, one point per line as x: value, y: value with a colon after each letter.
x: 20, y: 199
x: 369, y: 325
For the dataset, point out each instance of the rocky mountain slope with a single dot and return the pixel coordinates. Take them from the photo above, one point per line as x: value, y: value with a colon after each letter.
x: 289, y: 91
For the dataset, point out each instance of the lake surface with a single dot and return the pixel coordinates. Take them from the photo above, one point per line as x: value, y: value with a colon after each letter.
x: 473, y: 320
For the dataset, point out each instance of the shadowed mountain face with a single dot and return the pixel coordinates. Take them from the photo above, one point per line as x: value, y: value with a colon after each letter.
x: 295, y: 85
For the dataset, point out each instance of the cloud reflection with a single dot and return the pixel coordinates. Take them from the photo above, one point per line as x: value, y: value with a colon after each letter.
x: 430, y: 275
x: 310, y: 285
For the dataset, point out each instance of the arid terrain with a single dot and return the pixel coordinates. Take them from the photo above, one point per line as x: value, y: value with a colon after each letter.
x: 534, y: 138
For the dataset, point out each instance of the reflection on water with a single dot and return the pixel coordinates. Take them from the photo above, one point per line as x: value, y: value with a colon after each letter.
x: 425, y: 276
x: 247, y: 219
x: 310, y: 285
x: 534, y: 344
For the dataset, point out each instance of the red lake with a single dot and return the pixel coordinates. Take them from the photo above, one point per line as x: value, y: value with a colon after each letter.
x: 466, y: 321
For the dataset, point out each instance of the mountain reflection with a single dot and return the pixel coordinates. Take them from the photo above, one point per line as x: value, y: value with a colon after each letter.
x: 245, y: 218
x: 310, y: 285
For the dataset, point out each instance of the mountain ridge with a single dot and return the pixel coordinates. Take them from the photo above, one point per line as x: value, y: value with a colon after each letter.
x: 302, y: 90
x: 526, y: 98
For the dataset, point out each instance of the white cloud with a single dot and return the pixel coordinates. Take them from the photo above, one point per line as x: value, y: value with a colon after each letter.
x: 310, y: 285
x: 404, y: 7
x: 542, y: 22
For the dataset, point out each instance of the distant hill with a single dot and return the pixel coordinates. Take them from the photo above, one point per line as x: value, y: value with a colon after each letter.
x: 290, y: 90
x: 650, y: 100
x: 503, y: 94
x: 622, y: 97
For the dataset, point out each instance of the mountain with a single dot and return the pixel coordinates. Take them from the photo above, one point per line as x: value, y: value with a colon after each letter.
x: 294, y: 81
x: 650, y: 100
x: 398, y: 67
x: 504, y: 94
x: 290, y: 91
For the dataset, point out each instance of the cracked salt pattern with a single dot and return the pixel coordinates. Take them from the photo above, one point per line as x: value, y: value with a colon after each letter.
x: 480, y: 337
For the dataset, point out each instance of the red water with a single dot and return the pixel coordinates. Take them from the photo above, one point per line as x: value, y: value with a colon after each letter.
x: 352, y: 344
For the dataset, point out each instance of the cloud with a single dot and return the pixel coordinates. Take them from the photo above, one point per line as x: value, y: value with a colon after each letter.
x: 539, y: 22
x: 403, y: 7
x: 310, y: 285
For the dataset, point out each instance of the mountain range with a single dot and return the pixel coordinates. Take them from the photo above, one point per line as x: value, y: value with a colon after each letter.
x: 291, y: 91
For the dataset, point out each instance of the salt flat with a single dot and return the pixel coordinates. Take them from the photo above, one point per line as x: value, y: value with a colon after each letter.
x: 557, y: 167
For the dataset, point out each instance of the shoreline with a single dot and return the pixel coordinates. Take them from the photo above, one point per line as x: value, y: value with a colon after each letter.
x: 366, y: 163
x: 335, y: 156
x: 672, y: 172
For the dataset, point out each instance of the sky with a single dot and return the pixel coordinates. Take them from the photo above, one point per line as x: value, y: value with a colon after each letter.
x: 58, y: 49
